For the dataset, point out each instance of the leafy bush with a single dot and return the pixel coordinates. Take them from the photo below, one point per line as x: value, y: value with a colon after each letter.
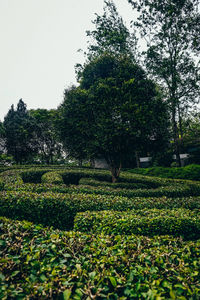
x: 190, y: 172
x: 41, y: 263
x: 33, y: 176
x: 117, y: 185
x: 59, y: 210
x: 146, y: 222
x: 52, y: 177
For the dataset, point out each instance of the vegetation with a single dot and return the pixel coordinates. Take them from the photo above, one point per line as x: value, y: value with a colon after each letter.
x: 190, y: 172
x: 120, y: 247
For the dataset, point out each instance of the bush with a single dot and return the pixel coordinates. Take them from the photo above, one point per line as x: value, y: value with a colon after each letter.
x: 41, y: 263
x: 52, y: 177
x: 190, y: 172
x: 145, y: 222
x: 33, y: 176
x: 59, y: 210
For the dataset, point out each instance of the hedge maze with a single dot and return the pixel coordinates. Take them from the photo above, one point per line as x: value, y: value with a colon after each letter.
x: 72, y: 234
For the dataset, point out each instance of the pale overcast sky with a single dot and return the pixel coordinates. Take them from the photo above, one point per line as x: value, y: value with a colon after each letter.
x: 39, y: 42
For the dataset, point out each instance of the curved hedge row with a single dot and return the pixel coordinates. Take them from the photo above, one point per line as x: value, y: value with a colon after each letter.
x: 41, y: 263
x: 190, y: 172
x: 13, y: 180
x: 179, y: 222
x: 59, y: 210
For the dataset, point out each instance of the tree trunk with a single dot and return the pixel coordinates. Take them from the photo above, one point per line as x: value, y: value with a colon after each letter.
x: 80, y: 163
x: 92, y: 163
x: 115, y: 171
x: 137, y: 159
x: 176, y: 139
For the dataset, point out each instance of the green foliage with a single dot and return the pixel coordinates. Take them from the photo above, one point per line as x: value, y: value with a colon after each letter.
x: 49, y: 148
x: 42, y: 263
x: 143, y: 222
x: 33, y: 176
x: 52, y: 177
x: 190, y: 172
x: 171, y: 31
x: 110, y: 34
x: 115, y: 111
x: 19, y: 133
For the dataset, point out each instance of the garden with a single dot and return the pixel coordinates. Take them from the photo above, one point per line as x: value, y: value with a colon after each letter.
x: 70, y: 233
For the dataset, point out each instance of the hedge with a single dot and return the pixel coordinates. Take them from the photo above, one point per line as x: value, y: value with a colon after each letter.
x: 11, y: 180
x: 41, y: 263
x: 190, y: 172
x: 59, y: 210
x: 117, y: 185
x: 52, y: 177
x: 145, y: 222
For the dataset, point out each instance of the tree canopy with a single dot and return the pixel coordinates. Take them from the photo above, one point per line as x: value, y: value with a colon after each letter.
x: 114, y: 111
x: 171, y: 31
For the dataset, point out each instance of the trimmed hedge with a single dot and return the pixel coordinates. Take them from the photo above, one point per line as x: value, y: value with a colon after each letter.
x: 117, y: 185
x: 59, y: 210
x: 41, y: 263
x: 169, y: 188
x: 190, y: 172
x: 52, y: 177
x: 145, y: 222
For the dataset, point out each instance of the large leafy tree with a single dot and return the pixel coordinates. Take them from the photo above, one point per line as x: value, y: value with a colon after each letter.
x: 113, y: 112
x: 110, y: 33
x: 48, y: 146
x: 19, y: 133
x: 191, y: 137
x: 2, y: 138
x: 171, y: 31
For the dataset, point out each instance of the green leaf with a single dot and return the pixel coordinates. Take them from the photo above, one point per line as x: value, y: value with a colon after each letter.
x: 113, y: 281
x: 66, y: 294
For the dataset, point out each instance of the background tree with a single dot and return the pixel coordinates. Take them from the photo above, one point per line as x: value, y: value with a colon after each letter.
x: 171, y: 31
x: 48, y: 146
x: 110, y: 33
x: 74, y: 124
x: 191, y: 137
x: 113, y: 112
x: 19, y: 133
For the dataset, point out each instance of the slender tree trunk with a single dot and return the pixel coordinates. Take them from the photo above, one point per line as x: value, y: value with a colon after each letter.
x: 137, y: 159
x: 80, y: 163
x: 92, y: 163
x: 176, y: 138
x: 115, y: 171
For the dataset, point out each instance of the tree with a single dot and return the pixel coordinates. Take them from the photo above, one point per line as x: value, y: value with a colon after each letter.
x: 74, y: 123
x: 171, y: 31
x: 46, y: 140
x: 113, y: 112
x: 110, y: 33
x: 19, y: 133
x: 191, y: 137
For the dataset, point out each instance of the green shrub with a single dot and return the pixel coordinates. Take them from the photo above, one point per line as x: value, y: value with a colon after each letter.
x: 33, y: 176
x: 41, y: 263
x: 52, y: 177
x: 59, y: 209
x: 190, y: 172
x: 117, y: 185
x: 145, y: 222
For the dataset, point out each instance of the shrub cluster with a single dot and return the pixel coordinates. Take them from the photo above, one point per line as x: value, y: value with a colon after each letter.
x: 190, y: 172
x: 41, y: 263
x: 59, y: 209
x: 52, y: 177
x: 179, y: 222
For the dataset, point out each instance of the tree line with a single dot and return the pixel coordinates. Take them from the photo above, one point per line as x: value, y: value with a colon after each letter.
x: 127, y: 102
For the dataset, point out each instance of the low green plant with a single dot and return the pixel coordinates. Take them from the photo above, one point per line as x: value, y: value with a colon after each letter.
x: 52, y: 177
x: 179, y: 222
x: 42, y: 263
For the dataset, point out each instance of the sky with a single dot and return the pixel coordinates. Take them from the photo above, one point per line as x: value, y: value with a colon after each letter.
x: 39, y: 47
